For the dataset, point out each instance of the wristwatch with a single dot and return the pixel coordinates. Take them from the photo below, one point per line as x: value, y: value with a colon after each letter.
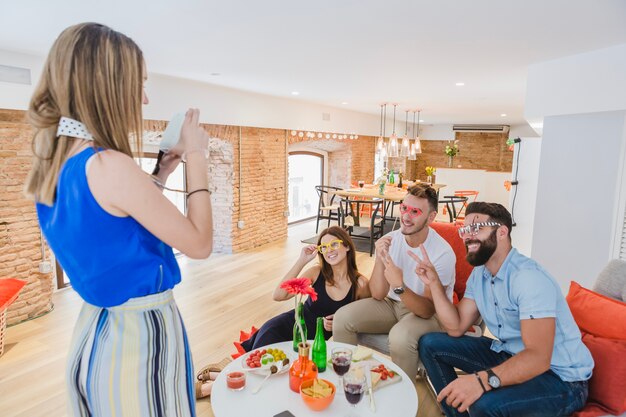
x: 493, y: 380
x: 399, y: 290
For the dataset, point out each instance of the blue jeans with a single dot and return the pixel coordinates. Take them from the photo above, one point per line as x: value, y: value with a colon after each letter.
x: 544, y: 395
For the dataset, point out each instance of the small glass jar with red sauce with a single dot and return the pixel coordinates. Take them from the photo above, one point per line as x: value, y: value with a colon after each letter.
x: 236, y: 380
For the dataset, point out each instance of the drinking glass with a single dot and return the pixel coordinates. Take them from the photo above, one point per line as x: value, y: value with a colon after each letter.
x: 341, y: 358
x: 361, y: 184
x: 354, y: 385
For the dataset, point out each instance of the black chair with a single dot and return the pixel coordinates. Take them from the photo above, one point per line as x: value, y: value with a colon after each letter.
x: 451, y: 201
x: 327, y: 209
x: 352, y: 220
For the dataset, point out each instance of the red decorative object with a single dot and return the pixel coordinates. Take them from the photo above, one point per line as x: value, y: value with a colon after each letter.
x: 303, y: 369
x: 9, y: 290
x: 243, y: 336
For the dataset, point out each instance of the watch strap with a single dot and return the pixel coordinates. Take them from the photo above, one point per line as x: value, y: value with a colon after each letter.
x: 481, y: 382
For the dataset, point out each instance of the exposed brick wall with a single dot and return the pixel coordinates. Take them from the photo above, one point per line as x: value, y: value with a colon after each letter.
x: 478, y: 150
x: 363, y: 154
x: 263, y: 200
x: 20, y: 250
x: 350, y: 160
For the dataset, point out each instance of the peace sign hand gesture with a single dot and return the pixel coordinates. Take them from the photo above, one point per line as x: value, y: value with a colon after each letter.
x: 425, y: 269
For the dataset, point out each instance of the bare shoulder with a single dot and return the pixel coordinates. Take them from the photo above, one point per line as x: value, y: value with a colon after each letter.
x: 312, y: 273
x: 362, y: 280
x: 114, y: 162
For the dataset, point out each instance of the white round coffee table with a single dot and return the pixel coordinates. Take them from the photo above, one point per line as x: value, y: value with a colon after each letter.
x: 398, y: 399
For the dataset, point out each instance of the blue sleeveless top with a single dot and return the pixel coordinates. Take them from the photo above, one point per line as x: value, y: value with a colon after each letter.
x: 108, y: 259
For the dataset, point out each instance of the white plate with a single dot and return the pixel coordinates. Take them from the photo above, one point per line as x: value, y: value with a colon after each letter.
x: 265, y: 369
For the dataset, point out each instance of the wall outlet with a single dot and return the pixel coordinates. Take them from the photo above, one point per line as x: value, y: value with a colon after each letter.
x: 286, y: 213
x: 45, y: 267
x: 240, y: 224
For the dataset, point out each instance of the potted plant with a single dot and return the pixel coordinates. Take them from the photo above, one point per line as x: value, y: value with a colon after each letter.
x: 430, y: 171
x: 452, y: 151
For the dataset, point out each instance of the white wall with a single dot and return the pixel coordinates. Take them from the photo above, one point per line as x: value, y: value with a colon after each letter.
x: 583, y: 83
x: 489, y: 184
x: 582, y: 101
x: 523, y: 209
x: 576, y: 194
x: 17, y: 96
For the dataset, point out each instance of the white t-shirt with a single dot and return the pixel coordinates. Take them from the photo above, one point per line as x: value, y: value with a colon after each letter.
x: 440, y: 254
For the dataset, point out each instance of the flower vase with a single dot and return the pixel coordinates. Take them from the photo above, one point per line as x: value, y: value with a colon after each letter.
x: 381, y: 188
x: 450, y: 161
x: 297, y: 338
x: 429, y: 179
x: 303, y: 369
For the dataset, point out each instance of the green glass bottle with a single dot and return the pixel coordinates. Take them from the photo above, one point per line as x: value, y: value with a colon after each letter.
x: 319, y: 346
x: 391, y: 177
x: 296, y: 332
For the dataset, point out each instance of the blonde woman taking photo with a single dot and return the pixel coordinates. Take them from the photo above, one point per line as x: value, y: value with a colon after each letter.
x: 111, y: 228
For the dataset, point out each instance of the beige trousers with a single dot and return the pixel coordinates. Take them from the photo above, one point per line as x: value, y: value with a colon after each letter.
x: 385, y: 316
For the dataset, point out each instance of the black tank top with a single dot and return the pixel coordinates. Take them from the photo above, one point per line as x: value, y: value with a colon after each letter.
x: 325, y: 306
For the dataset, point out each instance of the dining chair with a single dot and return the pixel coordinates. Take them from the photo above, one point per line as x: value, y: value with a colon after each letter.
x: 327, y: 209
x: 452, y: 202
x: 470, y: 194
x: 372, y: 229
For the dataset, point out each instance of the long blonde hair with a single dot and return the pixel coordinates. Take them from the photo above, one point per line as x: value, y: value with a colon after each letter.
x: 93, y: 74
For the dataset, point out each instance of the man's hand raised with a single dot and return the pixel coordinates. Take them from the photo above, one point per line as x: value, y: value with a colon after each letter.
x: 393, y: 274
x: 382, y: 246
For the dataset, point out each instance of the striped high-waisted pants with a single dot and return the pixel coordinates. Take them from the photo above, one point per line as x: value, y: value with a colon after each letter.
x: 131, y: 360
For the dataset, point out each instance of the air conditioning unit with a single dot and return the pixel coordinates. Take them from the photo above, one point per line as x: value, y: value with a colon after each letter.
x: 481, y: 128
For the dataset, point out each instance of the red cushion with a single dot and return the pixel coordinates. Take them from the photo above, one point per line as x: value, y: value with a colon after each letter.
x: 449, y: 231
x: 607, y: 387
x: 9, y: 290
x: 597, y: 314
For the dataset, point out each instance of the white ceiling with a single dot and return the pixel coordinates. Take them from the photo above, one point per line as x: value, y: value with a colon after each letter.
x: 362, y: 52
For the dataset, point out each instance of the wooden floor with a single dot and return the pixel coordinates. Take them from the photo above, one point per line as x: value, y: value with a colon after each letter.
x: 217, y: 298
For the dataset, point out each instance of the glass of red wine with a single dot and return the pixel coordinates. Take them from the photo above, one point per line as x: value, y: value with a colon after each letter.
x: 341, y: 358
x: 361, y: 184
x: 354, y: 384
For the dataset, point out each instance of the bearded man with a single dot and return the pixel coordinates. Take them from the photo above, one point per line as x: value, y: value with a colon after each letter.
x: 402, y: 305
x: 537, y: 365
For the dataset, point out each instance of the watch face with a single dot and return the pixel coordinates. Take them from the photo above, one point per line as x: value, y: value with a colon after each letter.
x: 494, y: 381
x: 398, y: 290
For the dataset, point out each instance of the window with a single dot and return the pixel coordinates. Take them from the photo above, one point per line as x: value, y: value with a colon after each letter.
x: 306, y: 170
x: 176, y: 180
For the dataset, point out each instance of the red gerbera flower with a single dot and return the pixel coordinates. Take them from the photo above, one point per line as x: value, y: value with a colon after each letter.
x: 299, y: 286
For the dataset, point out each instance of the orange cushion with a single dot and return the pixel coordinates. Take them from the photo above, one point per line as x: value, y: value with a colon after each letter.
x: 597, y: 314
x: 607, y: 387
x: 9, y: 290
x: 449, y: 231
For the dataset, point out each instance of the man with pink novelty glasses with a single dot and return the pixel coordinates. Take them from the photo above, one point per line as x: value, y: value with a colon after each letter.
x: 402, y: 305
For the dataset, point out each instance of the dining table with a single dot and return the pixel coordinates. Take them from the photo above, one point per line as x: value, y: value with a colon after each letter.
x: 275, y: 397
x: 391, y: 196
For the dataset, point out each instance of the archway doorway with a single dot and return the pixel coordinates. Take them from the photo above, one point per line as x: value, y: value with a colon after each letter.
x: 306, y: 170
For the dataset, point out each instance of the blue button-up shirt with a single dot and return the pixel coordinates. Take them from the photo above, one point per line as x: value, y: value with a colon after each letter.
x: 523, y: 290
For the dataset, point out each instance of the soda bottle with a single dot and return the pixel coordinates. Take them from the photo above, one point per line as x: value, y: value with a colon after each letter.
x: 319, y: 346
